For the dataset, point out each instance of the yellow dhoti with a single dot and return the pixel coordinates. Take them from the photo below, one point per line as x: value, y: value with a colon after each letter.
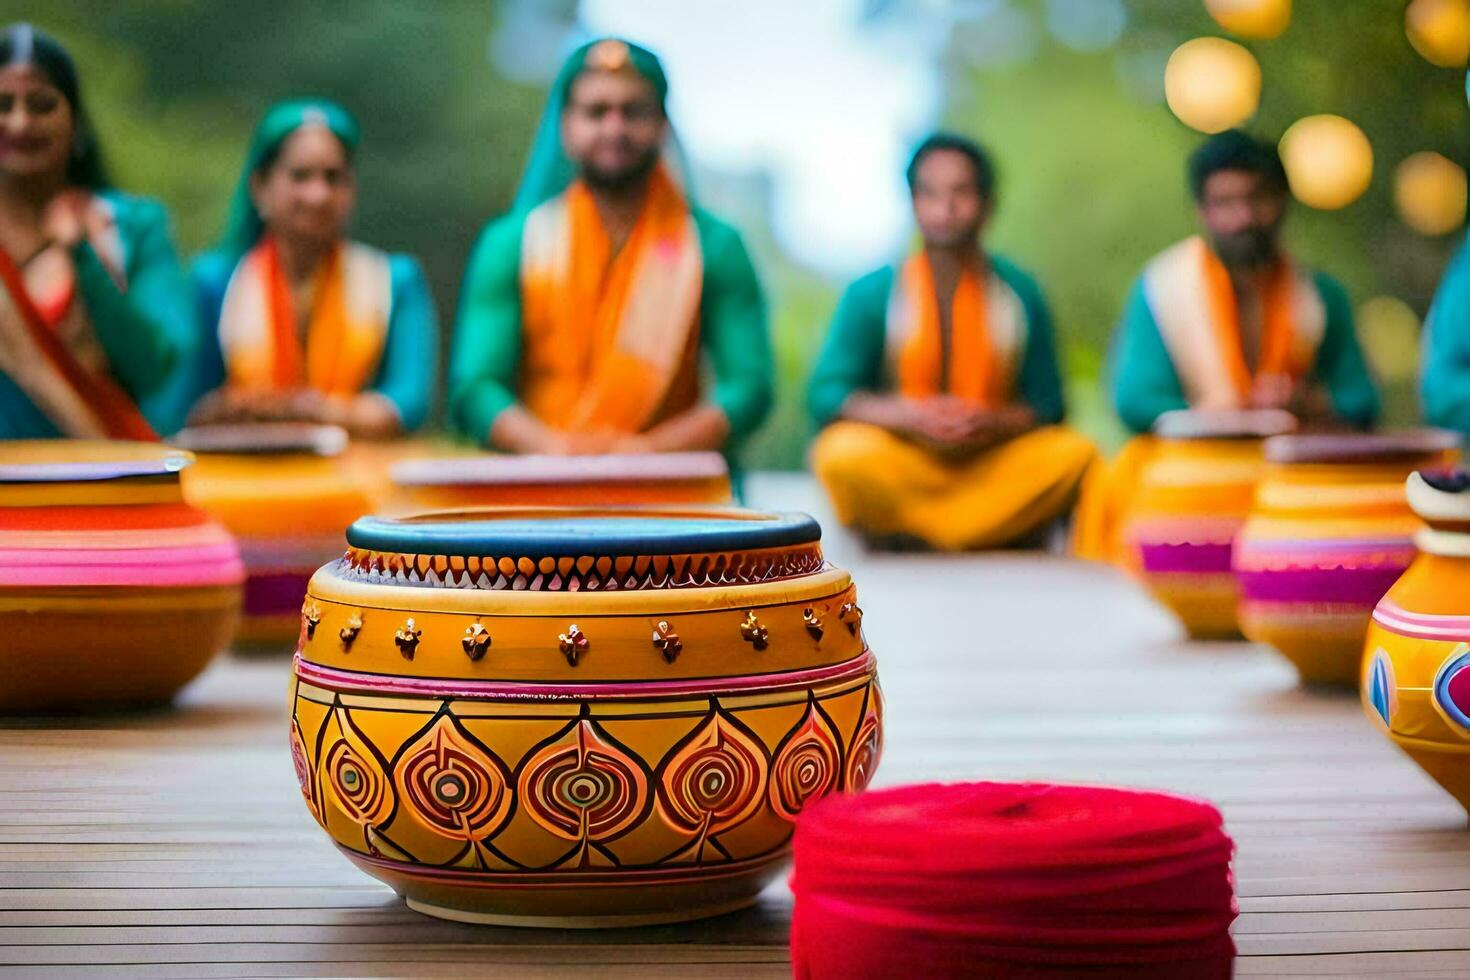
x: 1105, y: 502
x: 884, y: 484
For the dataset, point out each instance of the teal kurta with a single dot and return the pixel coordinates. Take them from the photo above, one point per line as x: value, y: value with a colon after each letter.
x: 1145, y: 383
x: 146, y: 329
x: 733, y: 334
x: 1444, y: 385
x: 853, y: 358
x: 405, y: 375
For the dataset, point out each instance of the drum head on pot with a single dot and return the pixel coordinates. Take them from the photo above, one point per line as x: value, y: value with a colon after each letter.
x: 1360, y: 447
x: 1254, y: 423
x: 264, y: 439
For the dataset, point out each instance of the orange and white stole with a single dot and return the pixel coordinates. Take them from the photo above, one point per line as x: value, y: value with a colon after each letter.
x: 48, y: 346
x: 610, y: 338
x: 346, y: 330
x: 988, y: 332
x: 1190, y: 295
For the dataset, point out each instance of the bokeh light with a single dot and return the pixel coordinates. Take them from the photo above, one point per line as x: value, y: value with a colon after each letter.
x: 1439, y: 30
x: 1429, y: 193
x: 1086, y: 25
x: 1212, y: 84
x: 1328, y: 160
x: 1389, y: 331
x: 1258, y: 19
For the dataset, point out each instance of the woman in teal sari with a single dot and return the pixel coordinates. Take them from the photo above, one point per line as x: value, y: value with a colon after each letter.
x: 94, y: 306
x: 302, y: 323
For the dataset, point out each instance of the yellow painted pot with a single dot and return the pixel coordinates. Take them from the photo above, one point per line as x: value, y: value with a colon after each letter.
x: 562, y: 481
x: 1194, y: 493
x: 579, y: 717
x: 287, y: 492
x: 1416, y: 663
x: 113, y: 590
x: 1330, y: 531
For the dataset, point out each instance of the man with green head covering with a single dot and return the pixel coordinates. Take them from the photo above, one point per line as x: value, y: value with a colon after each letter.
x: 586, y: 310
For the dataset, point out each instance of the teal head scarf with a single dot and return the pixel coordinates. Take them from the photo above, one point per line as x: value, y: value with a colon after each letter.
x: 549, y: 171
x: 243, y: 226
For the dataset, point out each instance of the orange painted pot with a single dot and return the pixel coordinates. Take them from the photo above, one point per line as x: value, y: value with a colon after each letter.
x: 579, y: 717
x: 1416, y: 664
x: 1194, y: 493
x: 113, y: 591
x: 1330, y: 531
x: 562, y: 481
x: 287, y: 492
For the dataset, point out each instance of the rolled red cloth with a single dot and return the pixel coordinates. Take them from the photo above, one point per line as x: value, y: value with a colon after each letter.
x: 1011, y: 879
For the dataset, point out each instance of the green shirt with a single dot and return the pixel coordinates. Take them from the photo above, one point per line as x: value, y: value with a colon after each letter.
x: 854, y: 355
x: 1444, y: 386
x: 1145, y: 384
x: 733, y: 334
x: 145, y: 328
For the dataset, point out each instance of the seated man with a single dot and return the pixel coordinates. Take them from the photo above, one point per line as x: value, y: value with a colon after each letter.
x: 1227, y: 321
x: 938, y: 384
x: 1444, y: 386
x: 585, y: 310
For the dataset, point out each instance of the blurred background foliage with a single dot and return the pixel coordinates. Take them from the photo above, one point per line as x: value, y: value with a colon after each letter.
x: 1090, y: 157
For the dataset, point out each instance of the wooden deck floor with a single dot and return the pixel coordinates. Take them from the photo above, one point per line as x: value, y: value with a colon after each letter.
x: 175, y: 843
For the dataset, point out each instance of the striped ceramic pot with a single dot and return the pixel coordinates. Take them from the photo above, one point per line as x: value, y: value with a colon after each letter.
x: 113, y: 590
x: 570, y: 717
x: 1194, y: 494
x: 287, y: 492
x: 1330, y: 531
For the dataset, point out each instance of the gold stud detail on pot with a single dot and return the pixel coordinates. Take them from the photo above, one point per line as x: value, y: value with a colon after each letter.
x: 476, y: 641
x: 348, y: 632
x: 311, y: 616
x: 851, y: 617
x: 573, y: 644
x: 667, y: 641
x: 753, y: 632
x: 407, y: 638
x: 812, y: 622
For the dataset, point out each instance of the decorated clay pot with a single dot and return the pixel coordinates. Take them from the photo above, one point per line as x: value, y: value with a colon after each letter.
x: 562, y: 481
x: 1330, y: 531
x: 1193, y: 496
x: 113, y: 591
x: 579, y: 717
x: 1416, y: 663
x: 287, y: 492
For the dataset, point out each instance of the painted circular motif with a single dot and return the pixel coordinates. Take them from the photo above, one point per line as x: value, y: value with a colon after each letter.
x: 1452, y: 689
x: 867, y: 746
x: 712, y: 781
x: 359, y: 788
x: 808, y: 764
x: 584, y: 786
x: 452, y: 784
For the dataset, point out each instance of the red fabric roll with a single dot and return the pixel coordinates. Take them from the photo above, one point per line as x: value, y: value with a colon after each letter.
x: 1011, y: 879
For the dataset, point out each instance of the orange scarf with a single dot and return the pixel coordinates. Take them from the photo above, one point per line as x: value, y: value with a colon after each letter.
x: 610, y: 336
x: 345, y: 333
x: 79, y: 401
x: 1276, y: 354
x: 1190, y: 297
x: 987, y: 332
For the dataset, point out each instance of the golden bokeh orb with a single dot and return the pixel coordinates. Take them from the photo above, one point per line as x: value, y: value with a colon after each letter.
x: 1328, y: 160
x: 1388, y: 329
x: 1429, y: 193
x: 1212, y: 84
x: 1440, y: 31
x: 1258, y: 19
